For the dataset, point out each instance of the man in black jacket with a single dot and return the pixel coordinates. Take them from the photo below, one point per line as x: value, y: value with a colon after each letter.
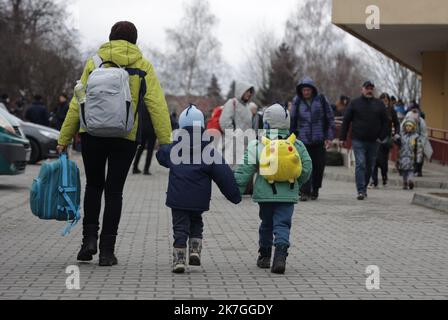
x: 61, y: 110
x: 38, y: 113
x: 368, y: 118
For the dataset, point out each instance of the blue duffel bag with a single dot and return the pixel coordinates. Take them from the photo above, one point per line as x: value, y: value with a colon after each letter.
x: 56, y: 192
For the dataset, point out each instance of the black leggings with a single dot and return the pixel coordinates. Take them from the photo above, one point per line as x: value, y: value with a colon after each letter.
x: 118, y: 154
x: 318, y: 155
x: 149, y: 141
x: 382, y: 162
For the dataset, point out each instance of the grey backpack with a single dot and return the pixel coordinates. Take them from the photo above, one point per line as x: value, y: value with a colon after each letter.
x: 108, y: 111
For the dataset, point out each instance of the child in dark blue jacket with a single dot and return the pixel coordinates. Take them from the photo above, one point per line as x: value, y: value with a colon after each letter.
x: 190, y: 185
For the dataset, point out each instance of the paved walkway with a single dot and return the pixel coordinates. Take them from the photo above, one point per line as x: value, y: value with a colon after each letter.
x: 334, y: 241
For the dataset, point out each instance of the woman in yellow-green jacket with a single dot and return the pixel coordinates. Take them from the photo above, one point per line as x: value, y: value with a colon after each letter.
x: 118, y: 153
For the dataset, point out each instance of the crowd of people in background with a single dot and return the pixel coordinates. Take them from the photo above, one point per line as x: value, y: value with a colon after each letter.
x: 376, y: 124
x: 312, y: 121
x: 306, y: 125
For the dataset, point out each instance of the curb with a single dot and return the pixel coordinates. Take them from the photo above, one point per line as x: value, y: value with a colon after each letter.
x: 394, y: 182
x: 431, y: 201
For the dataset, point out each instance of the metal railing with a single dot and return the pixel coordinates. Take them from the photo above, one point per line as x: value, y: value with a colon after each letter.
x: 439, y: 142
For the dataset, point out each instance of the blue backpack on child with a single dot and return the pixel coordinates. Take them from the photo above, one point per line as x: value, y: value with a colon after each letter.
x: 56, y: 193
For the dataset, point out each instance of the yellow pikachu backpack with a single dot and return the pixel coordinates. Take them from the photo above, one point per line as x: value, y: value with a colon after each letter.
x: 280, y: 161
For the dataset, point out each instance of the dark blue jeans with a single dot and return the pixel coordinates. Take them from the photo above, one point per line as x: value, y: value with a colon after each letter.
x: 276, y: 220
x: 186, y: 224
x: 365, y: 155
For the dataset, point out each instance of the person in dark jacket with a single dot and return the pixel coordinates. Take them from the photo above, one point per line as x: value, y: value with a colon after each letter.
x: 257, y: 117
x: 4, y: 102
x: 340, y: 106
x: 148, y: 141
x: 368, y: 119
x: 174, y: 122
x: 190, y: 185
x: 38, y: 113
x: 393, y: 127
x: 61, y: 111
x: 312, y: 121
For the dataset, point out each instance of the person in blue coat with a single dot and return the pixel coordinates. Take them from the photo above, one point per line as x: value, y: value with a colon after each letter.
x: 190, y: 185
x: 312, y: 121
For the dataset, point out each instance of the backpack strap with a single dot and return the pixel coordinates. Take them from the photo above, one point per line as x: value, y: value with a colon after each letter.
x: 64, y: 160
x: 141, y: 99
x: 97, y: 61
x: 64, y: 190
x: 324, y: 104
x: 274, y: 189
x: 235, y: 103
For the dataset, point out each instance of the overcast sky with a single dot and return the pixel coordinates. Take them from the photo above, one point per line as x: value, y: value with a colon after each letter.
x: 237, y: 20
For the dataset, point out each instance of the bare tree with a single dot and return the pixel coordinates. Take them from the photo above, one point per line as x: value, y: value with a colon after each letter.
x: 194, y: 53
x: 39, y: 50
x: 257, y: 63
x: 394, y: 78
x: 322, y: 50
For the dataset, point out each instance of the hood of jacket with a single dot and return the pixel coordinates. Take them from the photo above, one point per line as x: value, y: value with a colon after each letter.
x: 277, y: 117
x: 241, y: 88
x: 120, y: 52
x: 306, y: 82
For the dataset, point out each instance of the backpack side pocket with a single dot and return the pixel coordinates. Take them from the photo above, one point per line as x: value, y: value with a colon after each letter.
x: 35, y: 198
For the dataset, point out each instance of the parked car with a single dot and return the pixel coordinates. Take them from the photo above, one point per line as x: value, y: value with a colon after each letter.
x: 43, y: 140
x: 14, y: 149
x: 16, y: 125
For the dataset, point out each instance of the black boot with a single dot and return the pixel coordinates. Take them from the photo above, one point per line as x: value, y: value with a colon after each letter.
x: 107, y: 248
x: 264, y: 258
x: 279, y: 264
x: 89, y: 246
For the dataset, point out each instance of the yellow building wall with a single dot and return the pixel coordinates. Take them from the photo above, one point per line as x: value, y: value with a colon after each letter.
x: 445, y: 107
x: 435, y: 89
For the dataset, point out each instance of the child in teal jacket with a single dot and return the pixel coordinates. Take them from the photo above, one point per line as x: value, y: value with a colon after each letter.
x: 276, y: 204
